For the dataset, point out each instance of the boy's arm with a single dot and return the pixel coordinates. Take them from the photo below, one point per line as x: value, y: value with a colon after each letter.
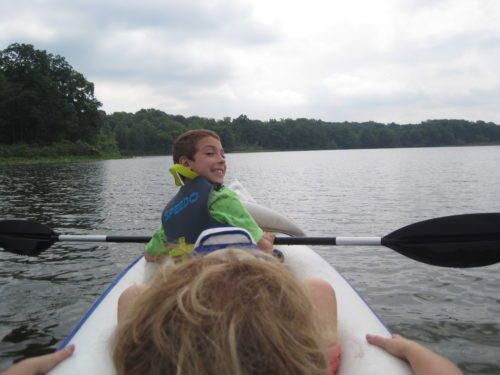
x: 226, y: 207
x: 155, y: 245
x: 423, y: 361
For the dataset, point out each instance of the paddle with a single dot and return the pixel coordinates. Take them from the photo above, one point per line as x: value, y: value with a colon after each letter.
x: 462, y: 241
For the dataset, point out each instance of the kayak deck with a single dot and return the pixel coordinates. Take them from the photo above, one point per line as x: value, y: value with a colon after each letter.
x: 356, y: 318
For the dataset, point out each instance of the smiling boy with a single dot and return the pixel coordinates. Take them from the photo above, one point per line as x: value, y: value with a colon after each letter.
x: 202, y: 202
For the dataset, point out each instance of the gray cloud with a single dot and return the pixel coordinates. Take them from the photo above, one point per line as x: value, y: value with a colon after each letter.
x: 139, y: 43
x: 404, y: 61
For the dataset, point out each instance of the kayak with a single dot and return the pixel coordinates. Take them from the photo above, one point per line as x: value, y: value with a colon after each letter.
x: 356, y: 318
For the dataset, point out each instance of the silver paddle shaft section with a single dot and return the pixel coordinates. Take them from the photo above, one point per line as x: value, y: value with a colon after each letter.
x: 359, y: 241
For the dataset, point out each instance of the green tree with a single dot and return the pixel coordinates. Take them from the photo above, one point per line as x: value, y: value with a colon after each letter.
x: 44, y: 100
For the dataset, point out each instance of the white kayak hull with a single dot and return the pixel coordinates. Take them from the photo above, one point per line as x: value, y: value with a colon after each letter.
x: 356, y: 318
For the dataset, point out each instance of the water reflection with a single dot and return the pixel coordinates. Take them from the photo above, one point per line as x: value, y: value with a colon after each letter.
x: 39, y: 292
x: 328, y: 193
x: 67, y: 195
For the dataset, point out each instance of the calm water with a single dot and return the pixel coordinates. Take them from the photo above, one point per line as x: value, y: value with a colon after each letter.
x: 329, y: 193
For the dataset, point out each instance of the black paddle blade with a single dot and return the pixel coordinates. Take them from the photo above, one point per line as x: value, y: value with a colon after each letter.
x: 25, y: 237
x: 461, y: 241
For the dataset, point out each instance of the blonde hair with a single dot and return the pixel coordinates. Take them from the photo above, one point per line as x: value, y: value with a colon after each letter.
x: 228, y: 313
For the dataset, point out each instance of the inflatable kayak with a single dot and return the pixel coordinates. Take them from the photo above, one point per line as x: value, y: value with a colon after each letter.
x: 356, y: 318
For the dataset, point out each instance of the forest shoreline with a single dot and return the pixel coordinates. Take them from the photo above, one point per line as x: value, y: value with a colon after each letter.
x: 113, y: 156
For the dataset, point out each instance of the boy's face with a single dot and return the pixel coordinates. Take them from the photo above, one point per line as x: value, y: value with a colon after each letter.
x: 209, y: 160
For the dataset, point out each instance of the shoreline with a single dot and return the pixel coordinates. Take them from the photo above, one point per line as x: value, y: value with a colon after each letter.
x: 56, y: 160
x: 113, y: 156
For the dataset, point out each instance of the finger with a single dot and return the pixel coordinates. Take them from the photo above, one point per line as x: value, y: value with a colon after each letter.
x: 376, y: 340
x: 48, y: 362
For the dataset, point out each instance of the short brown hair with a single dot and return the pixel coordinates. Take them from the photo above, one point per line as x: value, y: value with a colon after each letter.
x: 229, y: 312
x: 185, y: 144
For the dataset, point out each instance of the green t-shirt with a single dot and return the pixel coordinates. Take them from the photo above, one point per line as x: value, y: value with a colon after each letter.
x: 226, y: 208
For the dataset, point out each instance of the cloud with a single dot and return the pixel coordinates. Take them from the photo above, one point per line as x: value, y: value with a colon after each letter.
x: 337, y: 61
x: 155, y: 40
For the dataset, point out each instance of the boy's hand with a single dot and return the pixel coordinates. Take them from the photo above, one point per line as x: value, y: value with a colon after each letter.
x: 150, y: 257
x: 266, y: 242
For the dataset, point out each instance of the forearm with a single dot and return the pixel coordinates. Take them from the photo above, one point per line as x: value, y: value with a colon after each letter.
x: 40, y: 365
x: 425, y: 362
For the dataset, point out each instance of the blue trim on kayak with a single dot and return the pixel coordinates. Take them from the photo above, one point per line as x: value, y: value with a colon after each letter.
x: 97, y: 303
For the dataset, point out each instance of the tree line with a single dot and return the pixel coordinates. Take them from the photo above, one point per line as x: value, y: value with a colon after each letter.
x: 46, y: 105
x: 153, y: 131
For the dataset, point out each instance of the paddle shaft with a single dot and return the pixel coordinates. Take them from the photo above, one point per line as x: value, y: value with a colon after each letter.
x: 468, y: 240
x: 327, y: 241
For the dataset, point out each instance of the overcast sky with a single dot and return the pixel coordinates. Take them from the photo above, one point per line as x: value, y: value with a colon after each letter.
x: 402, y: 61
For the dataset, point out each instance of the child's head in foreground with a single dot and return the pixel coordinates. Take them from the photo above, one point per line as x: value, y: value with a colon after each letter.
x: 230, y: 312
x: 201, y: 151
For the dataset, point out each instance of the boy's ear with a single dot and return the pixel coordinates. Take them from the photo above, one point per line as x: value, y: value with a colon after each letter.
x: 184, y: 160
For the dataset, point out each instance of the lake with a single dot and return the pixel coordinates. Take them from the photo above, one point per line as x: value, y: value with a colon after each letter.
x: 455, y: 312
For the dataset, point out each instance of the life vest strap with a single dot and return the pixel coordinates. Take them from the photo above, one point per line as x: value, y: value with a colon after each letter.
x: 179, y: 171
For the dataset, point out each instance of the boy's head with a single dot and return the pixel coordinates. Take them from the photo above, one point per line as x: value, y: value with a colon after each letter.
x: 201, y: 151
x: 185, y: 144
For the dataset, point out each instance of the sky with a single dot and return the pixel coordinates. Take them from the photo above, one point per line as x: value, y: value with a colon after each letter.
x: 402, y: 61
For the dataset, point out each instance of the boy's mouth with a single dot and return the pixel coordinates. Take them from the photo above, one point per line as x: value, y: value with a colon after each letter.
x: 219, y: 171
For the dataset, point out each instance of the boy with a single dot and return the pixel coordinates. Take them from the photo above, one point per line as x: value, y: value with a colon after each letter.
x: 202, y: 202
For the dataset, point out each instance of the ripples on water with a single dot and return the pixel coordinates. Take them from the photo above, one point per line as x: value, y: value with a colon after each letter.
x: 329, y: 193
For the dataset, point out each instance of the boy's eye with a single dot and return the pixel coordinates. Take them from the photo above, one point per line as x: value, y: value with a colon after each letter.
x: 213, y: 153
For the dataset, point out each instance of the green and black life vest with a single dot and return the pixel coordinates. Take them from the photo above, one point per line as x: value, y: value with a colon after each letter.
x: 187, y: 214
